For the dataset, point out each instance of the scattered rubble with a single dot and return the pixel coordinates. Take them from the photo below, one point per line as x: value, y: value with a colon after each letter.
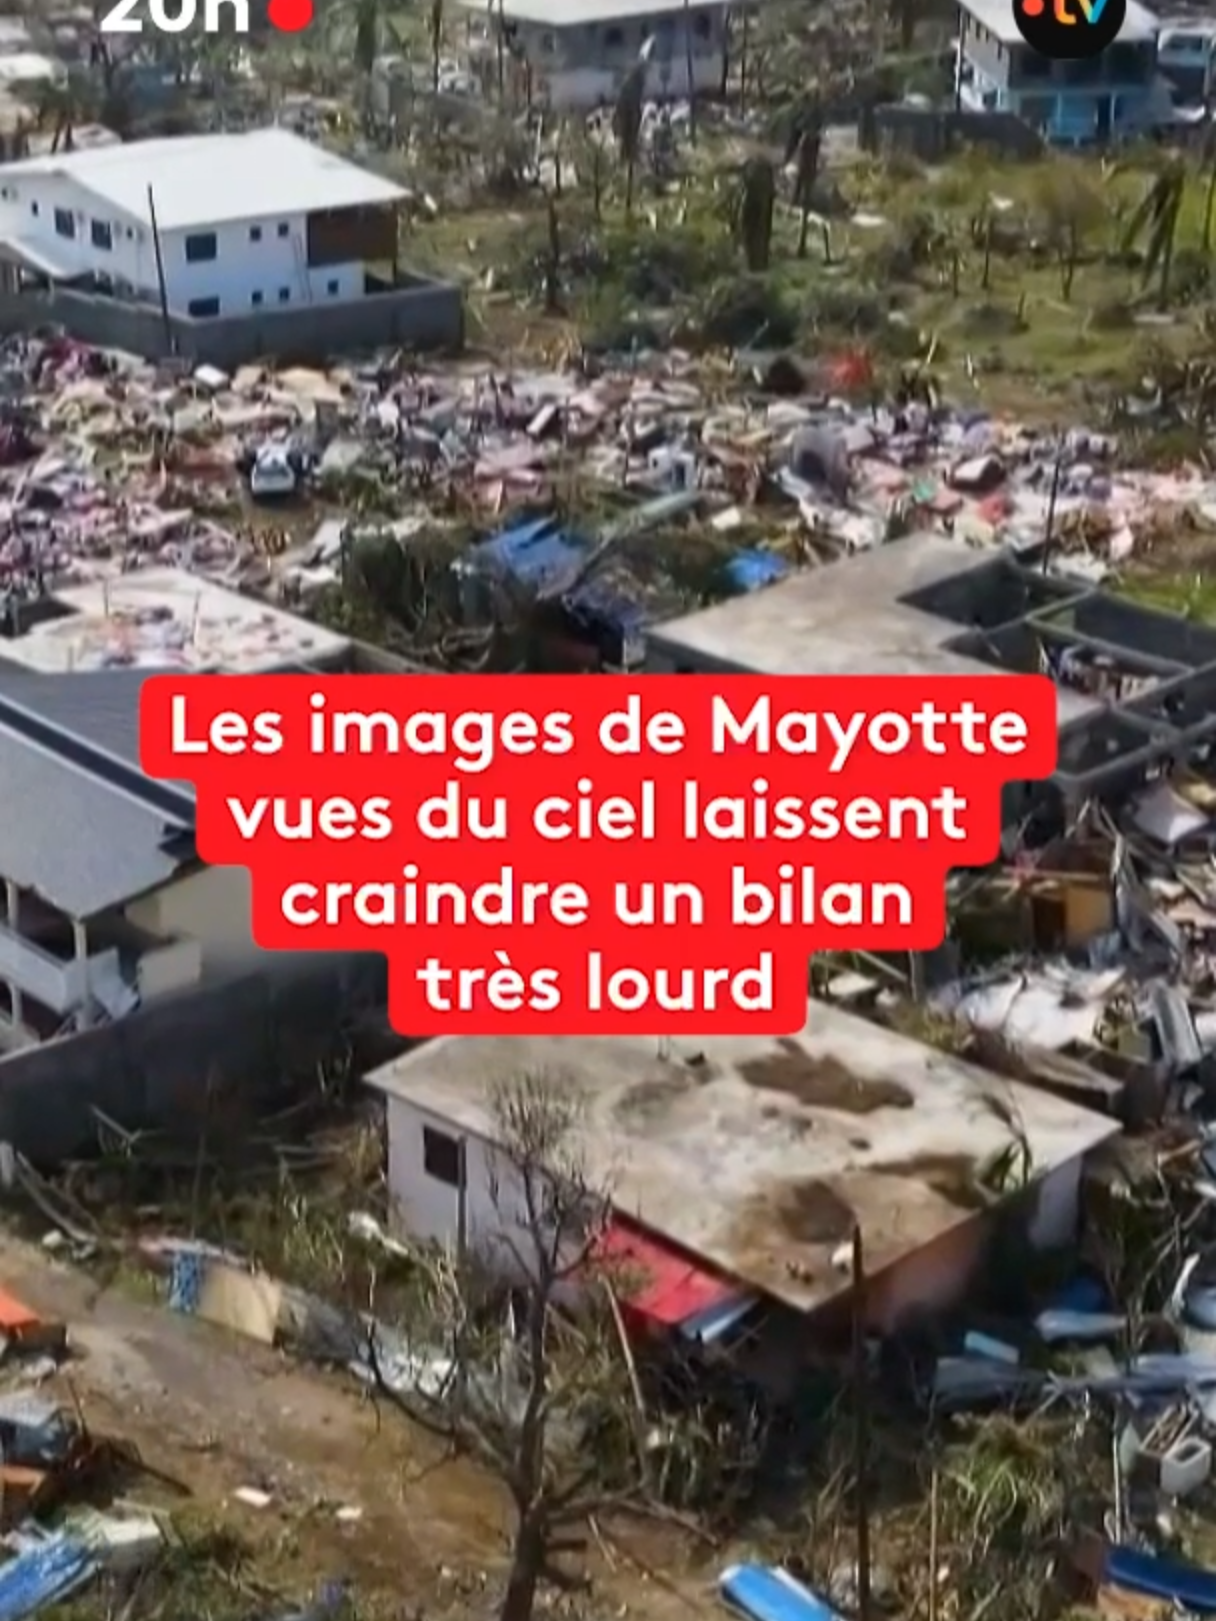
x: 692, y: 485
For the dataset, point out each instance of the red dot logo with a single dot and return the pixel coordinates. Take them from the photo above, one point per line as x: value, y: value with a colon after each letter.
x: 1032, y: 8
x: 289, y: 16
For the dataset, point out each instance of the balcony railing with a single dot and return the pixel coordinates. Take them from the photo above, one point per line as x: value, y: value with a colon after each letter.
x: 63, y: 986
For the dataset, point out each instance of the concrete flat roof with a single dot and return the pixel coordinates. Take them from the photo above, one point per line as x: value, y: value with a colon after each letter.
x: 761, y: 1155
x: 167, y: 619
x: 843, y: 619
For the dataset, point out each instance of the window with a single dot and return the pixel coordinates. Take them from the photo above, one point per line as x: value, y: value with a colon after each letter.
x: 33, y: 208
x: 284, y: 295
x: 614, y: 38
x: 201, y: 247
x: 203, y: 306
x: 101, y: 234
x: 548, y: 45
x: 700, y: 25
x: 331, y: 287
x: 441, y: 1157
x: 256, y: 298
x: 65, y: 223
x: 284, y: 228
x: 255, y: 233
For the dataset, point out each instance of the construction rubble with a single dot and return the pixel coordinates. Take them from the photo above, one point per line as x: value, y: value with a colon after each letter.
x: 58, y: 1543
x: 108, y: 464
x: 1082, y: 963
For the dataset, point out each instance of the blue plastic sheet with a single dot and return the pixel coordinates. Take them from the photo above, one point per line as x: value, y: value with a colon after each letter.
x: 43, y: 1575
x: 186, y: 1281
x: 767, y: 1593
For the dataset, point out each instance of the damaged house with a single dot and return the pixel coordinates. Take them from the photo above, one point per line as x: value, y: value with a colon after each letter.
x: 106, y: 906
x: 1135, y: 687
x: 576, y: 55
x: 88, y: 849
x: 738, y: 1168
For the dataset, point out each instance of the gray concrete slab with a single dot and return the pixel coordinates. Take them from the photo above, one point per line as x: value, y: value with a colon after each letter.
x: 760, y: 1156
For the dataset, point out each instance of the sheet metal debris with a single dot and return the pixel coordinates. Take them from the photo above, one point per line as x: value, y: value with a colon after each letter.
x: 110, y: 464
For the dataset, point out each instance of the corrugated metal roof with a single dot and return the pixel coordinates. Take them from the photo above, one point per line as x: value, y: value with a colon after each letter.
x: 102, y: 708
x: 80, y: 824
x: 659, y: 1281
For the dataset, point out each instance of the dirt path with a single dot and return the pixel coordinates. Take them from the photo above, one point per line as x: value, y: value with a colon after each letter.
x: 217, y: 1412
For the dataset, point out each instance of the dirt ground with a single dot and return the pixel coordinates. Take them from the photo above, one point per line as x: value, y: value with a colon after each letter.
x: 215, y: 1413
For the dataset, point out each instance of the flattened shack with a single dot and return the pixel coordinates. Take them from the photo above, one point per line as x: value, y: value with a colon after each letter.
x: 754, y: 1157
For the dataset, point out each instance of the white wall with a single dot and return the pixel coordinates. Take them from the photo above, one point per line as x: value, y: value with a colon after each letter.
x: 428, y: 1210
x: 584, y: 65
x: 242, y: 268
x: 589, y: 87
x: 170, y: 967
x: 211, y: 906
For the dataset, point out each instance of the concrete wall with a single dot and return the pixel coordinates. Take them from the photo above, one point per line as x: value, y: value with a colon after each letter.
x: 211, y: 906
x: 930, y: 134
x: 428, y: 315
x: 209, y: 1055
x: 937, y: 1276
x: 584, y: 88
x: 584, y: 64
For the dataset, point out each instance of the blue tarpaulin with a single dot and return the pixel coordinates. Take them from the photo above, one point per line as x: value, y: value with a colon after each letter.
x: 748, y: 571
x: 43, y: 1575
x: 768, y: 1593
x: 1189, y: 1587
x: 539, y: 555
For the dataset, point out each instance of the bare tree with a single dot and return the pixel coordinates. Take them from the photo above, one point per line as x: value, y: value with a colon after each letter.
x: 690, y: 73
x: 546, y: 1403
x: 752, y: 211
x: 627, y: 125
x: 1072, y: 209
x: 553, y: 257
x: 804, y: 149
x: 436, y: 33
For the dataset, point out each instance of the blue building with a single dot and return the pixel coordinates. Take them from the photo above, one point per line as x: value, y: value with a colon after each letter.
x: 1115, y: 96
x: 1186, y: 55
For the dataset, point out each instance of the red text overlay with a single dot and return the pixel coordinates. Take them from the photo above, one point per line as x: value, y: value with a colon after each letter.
x: 566, y: 856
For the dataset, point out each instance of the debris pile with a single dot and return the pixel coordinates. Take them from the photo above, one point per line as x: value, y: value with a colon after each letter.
x: 110, y: 464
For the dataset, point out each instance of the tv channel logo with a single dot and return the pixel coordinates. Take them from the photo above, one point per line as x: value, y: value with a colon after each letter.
x: 1069, y: 29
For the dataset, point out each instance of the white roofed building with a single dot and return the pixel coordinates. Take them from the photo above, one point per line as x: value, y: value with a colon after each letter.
x: 237, y: 217
x: 216, y: 227
x: 1090, y: 101
x: 579, y: 51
